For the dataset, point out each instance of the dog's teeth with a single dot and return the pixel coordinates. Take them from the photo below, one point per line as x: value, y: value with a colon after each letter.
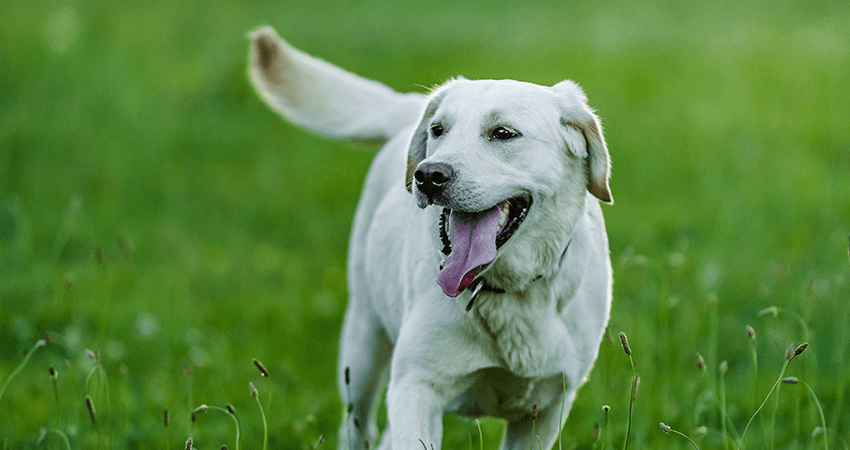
x: 503, y: 216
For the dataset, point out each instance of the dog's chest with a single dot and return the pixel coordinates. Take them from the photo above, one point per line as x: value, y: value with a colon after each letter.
x: 499, y: 393
x: 523, y: 336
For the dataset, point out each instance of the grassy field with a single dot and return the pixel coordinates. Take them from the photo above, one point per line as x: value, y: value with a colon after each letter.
x: 155, y: 212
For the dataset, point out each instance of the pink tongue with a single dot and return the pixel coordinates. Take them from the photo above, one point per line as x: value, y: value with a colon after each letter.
x: 473, y: 239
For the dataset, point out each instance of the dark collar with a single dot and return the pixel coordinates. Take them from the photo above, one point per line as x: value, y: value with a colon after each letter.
x: 480, y: 284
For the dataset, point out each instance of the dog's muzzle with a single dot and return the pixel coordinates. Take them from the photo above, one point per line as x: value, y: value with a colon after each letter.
x: 471, y: 240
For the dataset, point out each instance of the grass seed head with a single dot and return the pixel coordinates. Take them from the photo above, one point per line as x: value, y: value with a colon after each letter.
x: 751, y: 333
x: 253, y: 388
x: 53, y: 373
x: 261, y: 368
x: 724, y: 366
x: 347, y: 376
x: 770, y: 310
x: 90, y: 407
x: 201, y: 409
x: 230, y: 409
x: 606, y: 408
x: 534, y: 412
x: 666, y: 428
x: 790, y: 380
x: 189, y: 444
x: 801, y: 348
x: 625, y: 341
x: 700, y: 363
x: 165, y: 417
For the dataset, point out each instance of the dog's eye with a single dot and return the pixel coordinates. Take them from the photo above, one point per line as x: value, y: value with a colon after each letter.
x: 437, y: 130
x: 503, y: 133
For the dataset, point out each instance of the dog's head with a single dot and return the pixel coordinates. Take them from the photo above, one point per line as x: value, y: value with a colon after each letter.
x: 510, y: 163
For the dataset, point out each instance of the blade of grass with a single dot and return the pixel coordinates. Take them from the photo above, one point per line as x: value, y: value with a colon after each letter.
x: 38, y: 345
x: 800, y: 348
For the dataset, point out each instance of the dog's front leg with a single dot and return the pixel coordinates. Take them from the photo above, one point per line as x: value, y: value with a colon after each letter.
x: 431, y: 363
x: 415, y: 412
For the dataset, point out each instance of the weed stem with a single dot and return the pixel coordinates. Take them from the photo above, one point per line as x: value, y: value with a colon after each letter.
x: 56, y: 431
x: 39, y: 344
x: 820, y: 411
x: 667, y: 429
x: 791, y: 357
x: 254, y: 394
x: 229, y: 411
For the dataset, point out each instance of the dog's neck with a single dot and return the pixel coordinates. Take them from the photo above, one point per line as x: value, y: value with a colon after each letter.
x: 481, y: 285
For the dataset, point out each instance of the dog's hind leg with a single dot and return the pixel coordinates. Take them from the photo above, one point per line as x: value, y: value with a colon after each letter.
x: 365, y: 353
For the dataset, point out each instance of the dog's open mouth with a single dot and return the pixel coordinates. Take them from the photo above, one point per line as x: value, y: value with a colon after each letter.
x: 470, y: 240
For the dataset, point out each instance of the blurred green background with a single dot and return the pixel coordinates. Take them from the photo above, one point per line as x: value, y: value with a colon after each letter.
x: 153, y: 210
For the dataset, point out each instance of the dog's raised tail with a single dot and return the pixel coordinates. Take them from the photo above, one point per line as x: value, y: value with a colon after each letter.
x: 324, y: 98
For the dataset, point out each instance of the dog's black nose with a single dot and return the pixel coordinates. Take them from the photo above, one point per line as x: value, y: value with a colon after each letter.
x: 431, y: 177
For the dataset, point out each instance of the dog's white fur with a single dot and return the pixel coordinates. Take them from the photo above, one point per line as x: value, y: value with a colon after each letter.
x: 507, y: 354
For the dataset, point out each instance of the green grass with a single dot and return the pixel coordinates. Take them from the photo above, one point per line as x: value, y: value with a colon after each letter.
x: 129, y: 131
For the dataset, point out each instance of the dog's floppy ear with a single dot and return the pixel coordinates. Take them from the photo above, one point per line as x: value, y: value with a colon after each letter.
x: 576, y: 114
x: 419, y: 140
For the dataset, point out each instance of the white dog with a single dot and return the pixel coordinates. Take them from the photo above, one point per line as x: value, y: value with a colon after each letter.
x: 478, y: 275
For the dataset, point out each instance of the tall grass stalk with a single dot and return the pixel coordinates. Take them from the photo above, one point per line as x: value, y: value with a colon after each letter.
x: 800, y: 349
x: 229, y: 411
x: 189, y: 373
x: 53, y: 379
x: 605, y: 409
x: 44, y: 432
x: 40, y: 343
x: 775, y: 311
x: 635, y: 380
x: 667, y: 429
x: 563, y: 404
x: 771, y: 422
x: 55, y: 430
x: 256, y: 396
x: 723, y: 368
x: 165, y: 423
x: 265, y: 373
x: 104, y: 388
x: 350, y: 408
x: 533, y: 426
x: 751, y: 334
x: 794, y: 380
